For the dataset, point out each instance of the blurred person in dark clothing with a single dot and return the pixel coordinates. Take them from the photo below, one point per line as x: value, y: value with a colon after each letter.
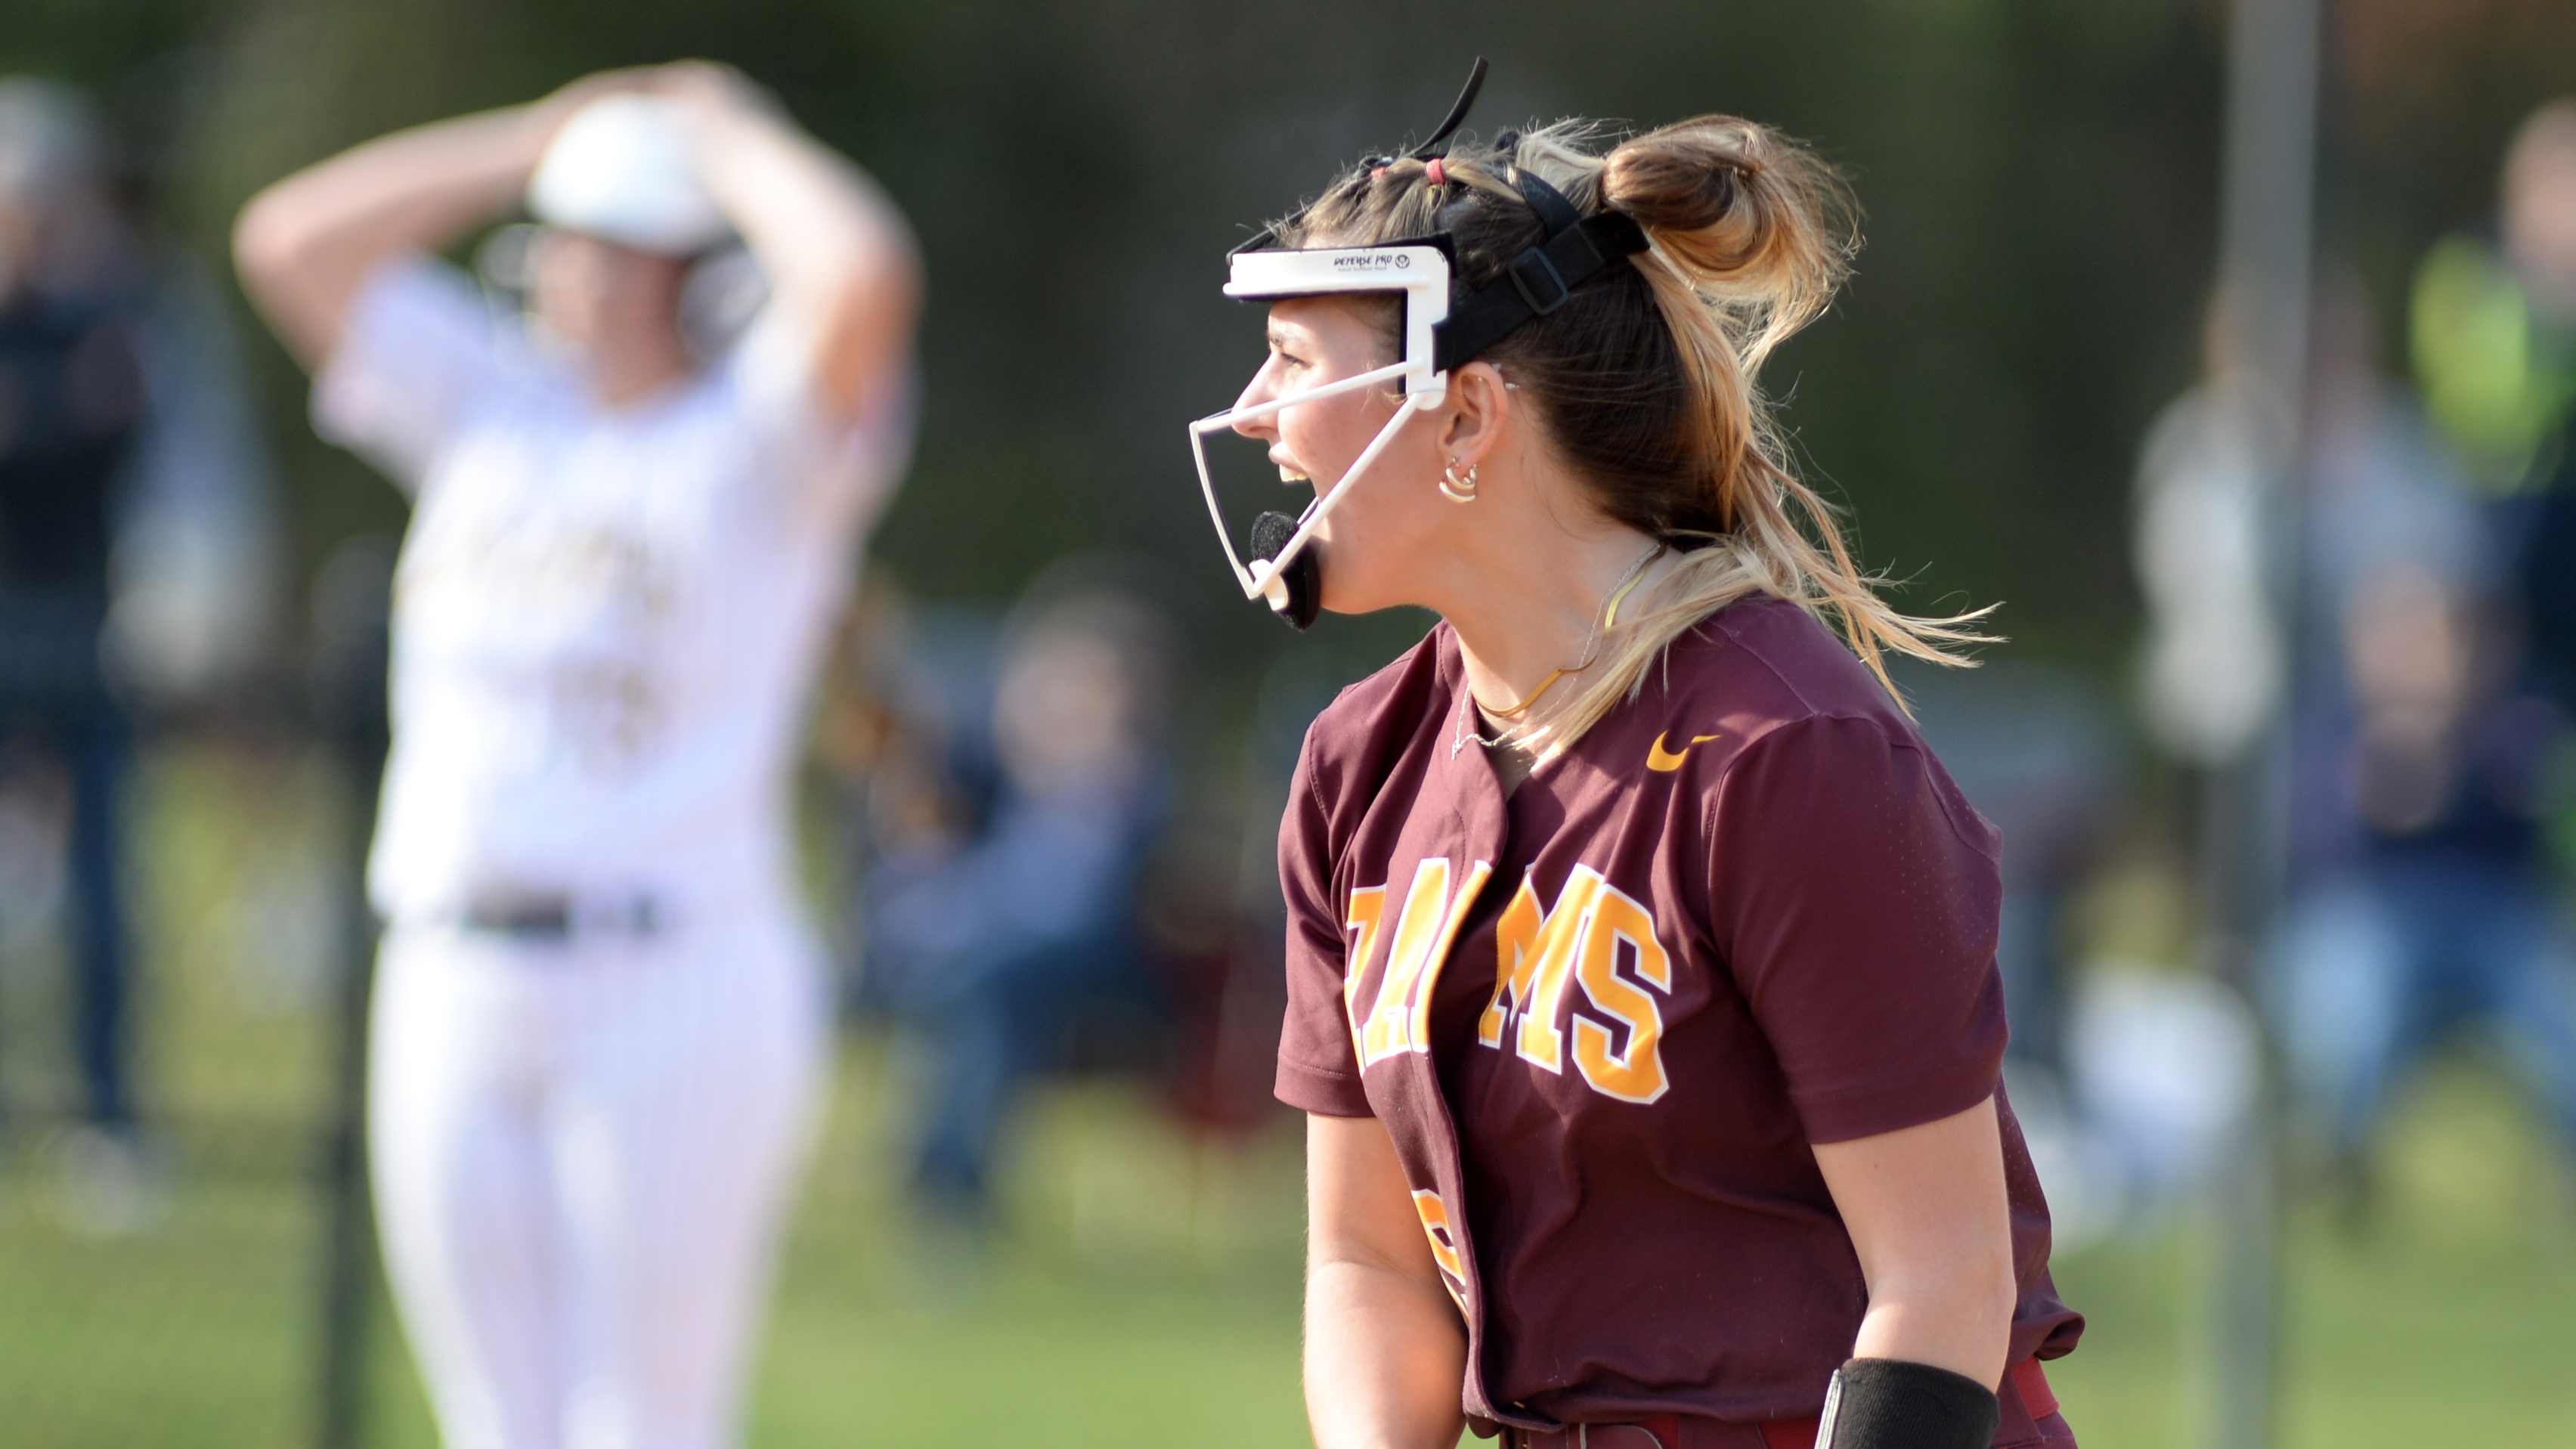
x: 137, y: 553
x: 2494, y: 341
x: 2037, y: 754
x: 72, y: 414
x: 2422, y: 901
x: 2494, y: 316
x: 993, y: 937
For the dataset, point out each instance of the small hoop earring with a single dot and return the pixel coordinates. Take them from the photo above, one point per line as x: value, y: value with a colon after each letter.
x: 1456, y: 489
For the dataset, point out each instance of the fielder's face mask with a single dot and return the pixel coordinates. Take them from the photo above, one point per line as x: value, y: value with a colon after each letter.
x: 1283, y: 570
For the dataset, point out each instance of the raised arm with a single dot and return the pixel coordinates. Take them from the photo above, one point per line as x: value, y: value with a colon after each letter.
x: 839, y: 257
x: 1385, y: 1351
x: 305, y: 244
x: 1928, y: 1216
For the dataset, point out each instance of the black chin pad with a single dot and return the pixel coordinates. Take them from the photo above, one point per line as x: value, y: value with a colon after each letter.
x: 1305, y: 577
x: 1886, y: 1403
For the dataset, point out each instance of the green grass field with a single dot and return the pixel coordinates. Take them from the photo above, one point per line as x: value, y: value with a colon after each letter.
x: 1146, y: 1293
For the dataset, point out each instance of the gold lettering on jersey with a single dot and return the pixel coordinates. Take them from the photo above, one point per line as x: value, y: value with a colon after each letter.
x: 1368, y: 905
x: 1635, y: 1073
x: 1444, y: 1243
x: 1400, y: 1018
x: 1533, y: 957
x: 1537, y: 952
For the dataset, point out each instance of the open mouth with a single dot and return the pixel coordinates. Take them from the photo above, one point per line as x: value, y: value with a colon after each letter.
x: 1282, y: 568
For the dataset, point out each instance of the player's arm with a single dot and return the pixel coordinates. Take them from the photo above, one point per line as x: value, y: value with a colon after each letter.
x: 840, y: 258
x: 1385, y: 1350
x: 1926, y: 1211
x: 305, y: 244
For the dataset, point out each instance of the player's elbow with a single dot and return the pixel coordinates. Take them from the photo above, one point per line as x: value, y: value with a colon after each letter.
x: 271, y: 243
x: 878, y: 284
x: 865, y: 315
x: 285, y: 260
x: 1993, y: 1291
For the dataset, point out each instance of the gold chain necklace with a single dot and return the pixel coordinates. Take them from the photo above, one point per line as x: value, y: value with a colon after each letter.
x: 1591, y: 654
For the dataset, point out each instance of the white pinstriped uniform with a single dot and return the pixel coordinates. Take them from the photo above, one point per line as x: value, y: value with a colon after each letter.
x: 604, y: 626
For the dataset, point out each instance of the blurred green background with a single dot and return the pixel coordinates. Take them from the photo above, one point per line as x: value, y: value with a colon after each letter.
x: 2040, y: 183
x: 1146, y: 1293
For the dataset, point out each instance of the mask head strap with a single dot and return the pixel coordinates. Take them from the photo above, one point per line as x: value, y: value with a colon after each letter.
x: 1554, y: 211
x: 1538, y: 280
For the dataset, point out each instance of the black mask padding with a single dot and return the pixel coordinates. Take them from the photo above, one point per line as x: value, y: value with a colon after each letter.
x: 1305, y: 576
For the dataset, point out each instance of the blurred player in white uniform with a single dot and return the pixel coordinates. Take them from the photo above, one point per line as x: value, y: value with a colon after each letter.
x: 600, y: 1017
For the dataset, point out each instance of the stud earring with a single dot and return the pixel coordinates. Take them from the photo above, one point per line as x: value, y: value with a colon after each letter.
x: 1456, y: 489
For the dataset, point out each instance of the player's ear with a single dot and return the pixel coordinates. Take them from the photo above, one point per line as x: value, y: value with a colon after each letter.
x: 1479, y: 409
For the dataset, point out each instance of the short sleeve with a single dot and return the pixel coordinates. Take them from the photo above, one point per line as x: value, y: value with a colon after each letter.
x: 842, y: 468
x: 1855, y: 897
x: 1318, y: 1071
x: 419, y: 350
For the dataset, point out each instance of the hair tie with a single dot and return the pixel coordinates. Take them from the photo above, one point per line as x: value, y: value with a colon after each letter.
x: 1433, y: 169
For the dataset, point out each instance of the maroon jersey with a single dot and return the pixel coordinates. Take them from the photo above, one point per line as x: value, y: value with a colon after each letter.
x: 1605, y: 1019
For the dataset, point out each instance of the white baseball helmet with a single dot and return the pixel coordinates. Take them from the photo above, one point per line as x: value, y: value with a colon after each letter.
x: 622, y: 170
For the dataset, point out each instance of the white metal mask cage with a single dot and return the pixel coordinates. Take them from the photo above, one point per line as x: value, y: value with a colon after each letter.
x: 1420, y: 270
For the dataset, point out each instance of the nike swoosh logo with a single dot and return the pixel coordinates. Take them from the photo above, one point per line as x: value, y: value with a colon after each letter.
x: 1658, y: 758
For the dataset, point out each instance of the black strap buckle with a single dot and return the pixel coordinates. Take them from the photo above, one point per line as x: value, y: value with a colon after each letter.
x: 1538, y: 281
x: 1542, y: 278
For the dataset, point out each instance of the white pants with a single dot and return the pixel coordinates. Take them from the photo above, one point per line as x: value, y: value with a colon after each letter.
x: 582, y: 1153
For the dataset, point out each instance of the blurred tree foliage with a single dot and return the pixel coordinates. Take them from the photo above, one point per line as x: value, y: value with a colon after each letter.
x: 2038, y: 181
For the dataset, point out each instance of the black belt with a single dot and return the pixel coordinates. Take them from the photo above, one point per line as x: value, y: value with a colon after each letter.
x: 553, y: 918
x: 1669, y: 1431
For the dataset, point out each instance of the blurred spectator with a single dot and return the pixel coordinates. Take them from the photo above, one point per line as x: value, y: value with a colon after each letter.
x: 134, y: 553
x: 2494, y: 316
x: 2205, y: 553
x: 2421, y: 901
x: 2162, y: 1067
x: 2035, y: 751
x: 1223, y: 921
x: 994, y: 930
x: 2161, y: 1063
x: 2126, y: 1077
x: 2494, y: 341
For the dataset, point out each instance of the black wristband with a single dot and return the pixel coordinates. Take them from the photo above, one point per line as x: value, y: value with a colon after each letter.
x: 1887, y: 1403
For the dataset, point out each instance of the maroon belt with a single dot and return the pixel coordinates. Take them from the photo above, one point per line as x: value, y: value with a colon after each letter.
x: 1674, y: 1431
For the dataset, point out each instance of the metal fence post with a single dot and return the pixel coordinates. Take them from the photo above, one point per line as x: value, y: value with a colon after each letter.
x: 2266, y: 221
x: 351, y: 604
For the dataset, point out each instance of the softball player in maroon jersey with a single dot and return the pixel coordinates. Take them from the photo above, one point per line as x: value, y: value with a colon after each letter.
x: 1641, y: 957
